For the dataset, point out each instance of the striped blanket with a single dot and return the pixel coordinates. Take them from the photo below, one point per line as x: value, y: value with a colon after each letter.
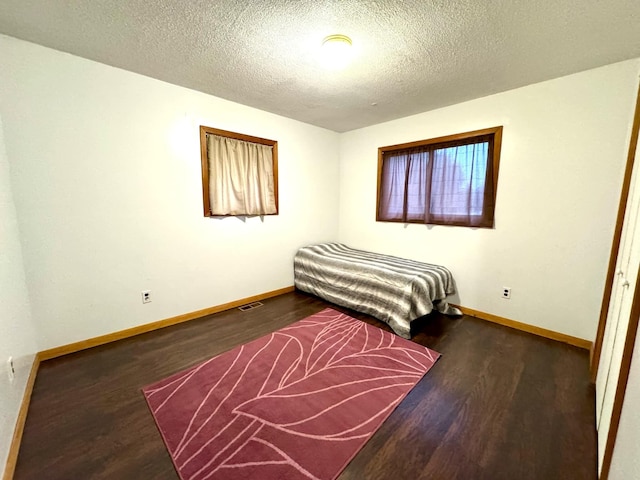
x: 392, y: 289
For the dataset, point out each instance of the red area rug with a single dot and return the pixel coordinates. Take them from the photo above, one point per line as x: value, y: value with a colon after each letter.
x: 296, y: 404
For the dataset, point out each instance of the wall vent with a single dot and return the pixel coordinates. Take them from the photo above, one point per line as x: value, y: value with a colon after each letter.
x: 250, y: 306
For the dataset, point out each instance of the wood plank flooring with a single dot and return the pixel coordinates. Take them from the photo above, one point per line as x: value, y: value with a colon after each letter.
x: 499, y: 404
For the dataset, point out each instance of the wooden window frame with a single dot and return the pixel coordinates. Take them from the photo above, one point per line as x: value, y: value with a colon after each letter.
x: 459, y: 139
x: 204, y: 131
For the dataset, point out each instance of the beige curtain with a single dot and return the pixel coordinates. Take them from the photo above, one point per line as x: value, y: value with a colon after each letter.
x: 240, y: 177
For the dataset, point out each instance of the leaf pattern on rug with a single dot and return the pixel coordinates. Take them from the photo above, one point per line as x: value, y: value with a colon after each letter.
x: 298, y: 403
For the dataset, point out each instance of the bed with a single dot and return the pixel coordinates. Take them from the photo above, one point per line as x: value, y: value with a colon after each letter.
x: 392, y: 289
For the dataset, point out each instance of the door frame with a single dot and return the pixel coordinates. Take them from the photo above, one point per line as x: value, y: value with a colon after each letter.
x: 634, y: 316
x: 621, y: 387
x: 596, y: 350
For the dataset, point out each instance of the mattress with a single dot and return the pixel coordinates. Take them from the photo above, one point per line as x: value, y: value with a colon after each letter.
x: 392, y: 289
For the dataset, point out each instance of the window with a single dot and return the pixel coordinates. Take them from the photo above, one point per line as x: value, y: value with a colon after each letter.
x: 444, y: 181
x: 239, y: 174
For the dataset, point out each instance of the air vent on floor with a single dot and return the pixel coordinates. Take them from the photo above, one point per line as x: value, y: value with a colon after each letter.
x: 250, y: 306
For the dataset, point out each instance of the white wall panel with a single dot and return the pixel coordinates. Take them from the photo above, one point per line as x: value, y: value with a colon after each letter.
x: 563, y: 152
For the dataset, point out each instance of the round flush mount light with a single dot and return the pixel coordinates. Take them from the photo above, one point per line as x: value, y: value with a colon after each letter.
x: 337, y: 40
x: 336, y: 50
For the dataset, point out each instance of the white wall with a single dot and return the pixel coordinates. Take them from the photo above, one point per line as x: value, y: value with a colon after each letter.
x: 625, y: 463
x: 105, y: 177
x: 563, y: 154
x: 105, y: 167
x: 17, y: 338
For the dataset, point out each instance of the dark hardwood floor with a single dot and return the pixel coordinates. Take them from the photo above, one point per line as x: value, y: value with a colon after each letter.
x: 499, y: 404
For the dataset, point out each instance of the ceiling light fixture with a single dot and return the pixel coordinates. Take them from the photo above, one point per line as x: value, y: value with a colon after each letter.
x: 336, y: 50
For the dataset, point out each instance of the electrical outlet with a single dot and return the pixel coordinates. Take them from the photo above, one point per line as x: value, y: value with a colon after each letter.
x: 11, y: 371
x: 506, y: 292
x: 146, y: 296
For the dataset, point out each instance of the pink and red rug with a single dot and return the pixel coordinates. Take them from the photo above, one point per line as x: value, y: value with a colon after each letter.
x: 296, y: 404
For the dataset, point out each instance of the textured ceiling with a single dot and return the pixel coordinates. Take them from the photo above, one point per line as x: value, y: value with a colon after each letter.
x: 410, y: 56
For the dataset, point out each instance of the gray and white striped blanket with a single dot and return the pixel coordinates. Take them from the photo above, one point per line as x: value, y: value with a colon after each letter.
x: 394, y: 290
